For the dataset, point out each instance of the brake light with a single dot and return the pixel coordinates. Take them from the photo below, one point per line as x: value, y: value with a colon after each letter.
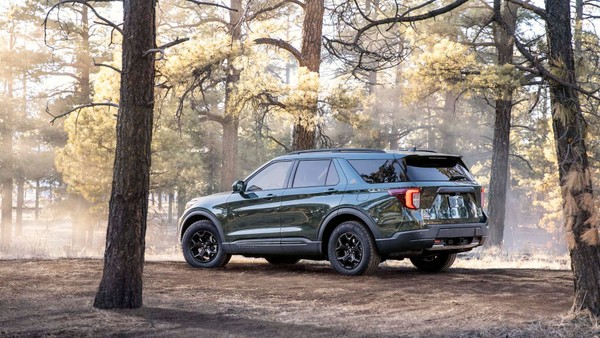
x: 482, y: 196
x: 409, y: 197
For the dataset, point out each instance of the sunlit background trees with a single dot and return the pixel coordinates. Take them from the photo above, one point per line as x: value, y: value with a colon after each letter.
x: 256, y: 80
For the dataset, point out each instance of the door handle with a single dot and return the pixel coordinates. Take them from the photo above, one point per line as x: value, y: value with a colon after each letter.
x: 331, y: 191
x: 269, y: 197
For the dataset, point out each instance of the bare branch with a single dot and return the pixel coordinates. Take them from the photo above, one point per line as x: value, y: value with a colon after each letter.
x: 283, y: 45
x: 415, y: 18
x: 107, y: 66
x: 528, y: 6
x: 524, y: 160
x: 85, y: 3
x: 545, y: 73
x: 161, y: 49
x: 272, y: 8
x: 78, y: 108
x: 204, y: 3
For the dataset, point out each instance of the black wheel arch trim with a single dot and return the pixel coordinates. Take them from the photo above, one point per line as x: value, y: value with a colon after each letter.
x: 366, y: 219
x: 205, y: 214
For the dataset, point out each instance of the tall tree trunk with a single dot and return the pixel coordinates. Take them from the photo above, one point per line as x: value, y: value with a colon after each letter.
x: 447, y: 132
x: 304, y: 136
x: 81, y: 227
x: 231, y: 119
x: 37, y: 200
x: 575, y: 179
x: 230, y: 153
x: 20, y: 202
x: 84, y: 60
x: 7, y: 169
x: 506, y: 17
x: 121, y: 284
x: 182, y: 199
x: 170, y: 211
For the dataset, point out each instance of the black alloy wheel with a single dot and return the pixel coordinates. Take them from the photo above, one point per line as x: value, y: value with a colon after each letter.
x: 351, y: 249
x: 348, y: 251
x: 202, y: 246
x: 437, y: 263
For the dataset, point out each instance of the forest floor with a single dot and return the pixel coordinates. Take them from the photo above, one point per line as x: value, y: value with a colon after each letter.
x: 250, y: 298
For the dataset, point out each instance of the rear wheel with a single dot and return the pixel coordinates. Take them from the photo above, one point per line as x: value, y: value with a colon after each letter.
x: 202, y: 246
x: 437, y: 263
x: 351, y: 249
x: 278, y: 260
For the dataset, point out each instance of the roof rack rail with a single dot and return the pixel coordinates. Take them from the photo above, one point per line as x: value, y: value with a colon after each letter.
x: 422, y: 150
x: 338, y: 150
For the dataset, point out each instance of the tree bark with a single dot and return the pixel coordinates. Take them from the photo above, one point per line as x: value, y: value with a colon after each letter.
x: 231, y: 119
x: 447, y: 134
x: 37, y: 200
x: 20, y: 202
x: 7, y: 173
x: 569, y: 133
x: 121, y: 284
x: 304, y: 135
x: 84, y: 59
x: 170, y: 211
x: 506, y: 18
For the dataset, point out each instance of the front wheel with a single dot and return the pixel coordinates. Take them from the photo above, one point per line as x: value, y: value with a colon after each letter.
x: 202, y: 246
x: 351, y: 249
x: 441, y: 262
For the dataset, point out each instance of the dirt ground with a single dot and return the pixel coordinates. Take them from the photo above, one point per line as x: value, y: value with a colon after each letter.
x: 253, y: 298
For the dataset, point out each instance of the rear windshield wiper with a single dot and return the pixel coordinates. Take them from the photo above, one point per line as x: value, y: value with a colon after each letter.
x: 458, y: 178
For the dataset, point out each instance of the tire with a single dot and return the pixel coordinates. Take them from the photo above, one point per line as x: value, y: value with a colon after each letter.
x: 438, y: 263
x: 278, y: 260
x: 351, y: 249
x: 202, y: 246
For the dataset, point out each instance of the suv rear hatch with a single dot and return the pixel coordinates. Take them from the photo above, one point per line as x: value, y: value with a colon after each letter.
x: 449, y: 193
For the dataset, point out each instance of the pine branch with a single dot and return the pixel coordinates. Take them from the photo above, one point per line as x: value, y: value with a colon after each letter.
x: 283, y: 45
x: 85, y: 3
x: 78, y: 108
x: 161, y: 49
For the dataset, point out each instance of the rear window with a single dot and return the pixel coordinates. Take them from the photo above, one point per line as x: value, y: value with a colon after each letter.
x: 379, y: 171
x: 436, y: 168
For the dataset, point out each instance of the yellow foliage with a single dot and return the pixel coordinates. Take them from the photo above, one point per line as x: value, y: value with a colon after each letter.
x: 301, y: 100
x: 450, y: 66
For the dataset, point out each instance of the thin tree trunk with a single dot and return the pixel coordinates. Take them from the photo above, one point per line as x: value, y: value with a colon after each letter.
x: 182, y: 199
x: 304, y: 136
x: 37, y: 200
x: 231, y: 120
x: 121, y: 284
x: 20, y: 202
x: 506, y: 13
x: 575, y: 179
x: 84, y: 59
x: 170, y: 215
x: 230, y: 151
x: 447, y: 133
x: 7, y: 170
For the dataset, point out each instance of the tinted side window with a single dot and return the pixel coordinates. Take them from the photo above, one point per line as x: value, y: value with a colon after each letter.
x: 311, y: 173
x: 379, y: 171
x: 437, y: 169
x: 332, y: 177
x: 271, y: 177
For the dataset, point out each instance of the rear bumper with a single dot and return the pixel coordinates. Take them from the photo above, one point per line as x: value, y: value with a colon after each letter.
x: 439, y: 237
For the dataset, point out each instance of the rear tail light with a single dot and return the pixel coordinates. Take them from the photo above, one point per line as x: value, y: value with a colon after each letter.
x: 482, y: 196
x: 409, y: 197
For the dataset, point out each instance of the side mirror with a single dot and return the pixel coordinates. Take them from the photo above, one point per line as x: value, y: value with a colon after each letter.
x: 238, y: 186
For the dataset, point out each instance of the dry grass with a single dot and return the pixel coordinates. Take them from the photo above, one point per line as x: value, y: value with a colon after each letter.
x: 573, y: 325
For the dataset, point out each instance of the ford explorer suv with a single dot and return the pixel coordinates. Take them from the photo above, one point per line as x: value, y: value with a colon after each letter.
x: 353, y: 207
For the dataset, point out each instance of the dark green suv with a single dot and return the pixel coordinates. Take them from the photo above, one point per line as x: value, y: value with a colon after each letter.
x: 354, y: 207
